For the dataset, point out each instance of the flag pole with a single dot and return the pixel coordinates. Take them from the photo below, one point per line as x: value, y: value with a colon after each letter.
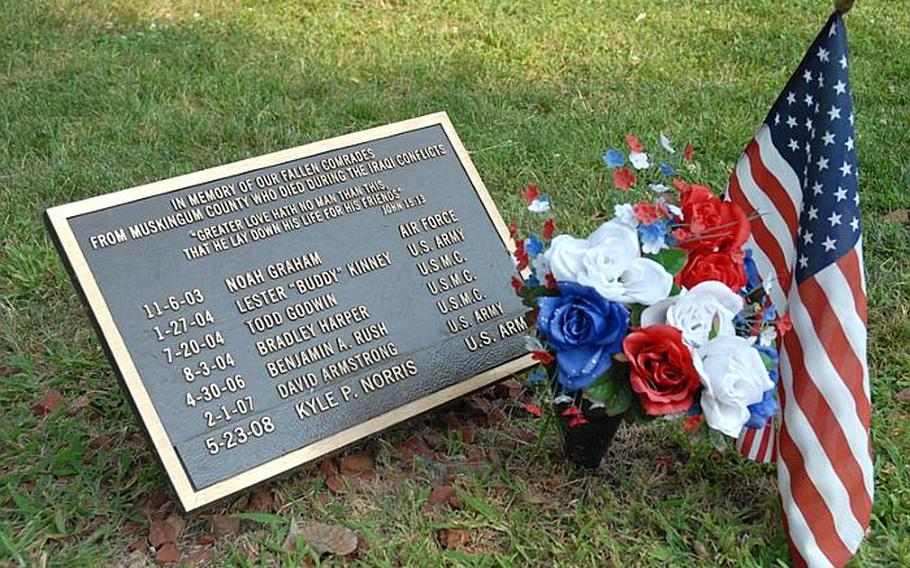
x: 843, y: 6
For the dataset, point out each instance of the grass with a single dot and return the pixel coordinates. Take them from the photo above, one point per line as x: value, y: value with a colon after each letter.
x: 97, y: 96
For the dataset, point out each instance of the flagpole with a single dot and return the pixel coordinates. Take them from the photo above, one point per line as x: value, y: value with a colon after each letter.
x: 843, y: 6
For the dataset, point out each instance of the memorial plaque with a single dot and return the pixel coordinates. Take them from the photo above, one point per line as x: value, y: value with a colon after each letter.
x: 267, y: 312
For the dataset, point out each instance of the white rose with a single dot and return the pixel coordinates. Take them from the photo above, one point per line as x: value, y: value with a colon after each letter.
x: 609, y: 261
x: 641, y: 281
x: 617, y: 238
x: 695, y: 311
x: 733, y: 376
x: 603, y: 271
x: 564, y: 256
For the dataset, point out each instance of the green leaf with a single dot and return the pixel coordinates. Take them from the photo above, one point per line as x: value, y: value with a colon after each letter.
x: 672, y: 259
x: 602, y: 388
x: 621, y: 401
x: 715, y: 327
x: 768, y: 361
x: 612, y: 388
x: 635, y: 311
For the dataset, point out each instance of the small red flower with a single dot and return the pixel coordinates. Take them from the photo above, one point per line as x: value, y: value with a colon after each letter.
x: 784, y: 325
x: 521, y: 255
x: 535, y: 410
x: 551, y: 281
x: 549, y: 227
x: 633, y: 143
x: 543, y: 356
x: 577, y: 421
x: 517, y: 284
x: 693, y: 422
x: 531, y: 193
x: 513, y: 229
x: 647, y: 213
x: 689, y: 151
x: 623, y: 178
x: 571, y: 411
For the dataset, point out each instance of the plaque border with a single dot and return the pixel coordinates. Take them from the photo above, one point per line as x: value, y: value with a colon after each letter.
x: 191, y: 499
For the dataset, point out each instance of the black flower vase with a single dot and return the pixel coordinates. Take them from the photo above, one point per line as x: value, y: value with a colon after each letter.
x: 586, y: 444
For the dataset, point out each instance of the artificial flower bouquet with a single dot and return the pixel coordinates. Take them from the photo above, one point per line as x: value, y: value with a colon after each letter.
x: 659, y: 312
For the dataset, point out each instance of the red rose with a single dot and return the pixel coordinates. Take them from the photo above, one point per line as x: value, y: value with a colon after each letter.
x: 724, y: 266
x: 663, y: 374
x: 711, y: 224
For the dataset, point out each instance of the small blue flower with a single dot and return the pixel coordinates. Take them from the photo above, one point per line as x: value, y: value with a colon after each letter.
x: 753, y: 278
x: 761, y: 411
x: 538, y: 375
x: 770, y: 314
x: 533, y: 246
x: 653, y: 236
x: 532, y: 281
x: 614, y: 158
x: 667, y: 169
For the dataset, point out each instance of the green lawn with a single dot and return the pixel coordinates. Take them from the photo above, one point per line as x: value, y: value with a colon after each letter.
x: 97, y: 96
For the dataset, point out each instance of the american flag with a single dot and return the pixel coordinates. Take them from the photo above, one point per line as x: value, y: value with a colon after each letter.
x: 798, y: 180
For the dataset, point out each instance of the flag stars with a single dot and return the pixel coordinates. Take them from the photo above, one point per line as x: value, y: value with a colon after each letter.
x: 829, y: 244
x: 791, y: 122
x: 812, y: 213
x: 840, y: 194
x: 833, y: 31
x: 846, y: 169
x: 823, y: 54
x: 822, y: 163
x: 821, y: 80
x: 791, y: 98
x: 851, y: 119
x: 794, y: 145
x: 776, y: 119
x: 803, y: 261
x: 817, y: 188
x: 840, y: 87
x: 834, y: 219
x: 808, y: 124
x: 849, y: 142
x: 854, y: 224
x: 807, y: 75
x: 807, y: 238
x: 809, y: 100
x: 834, y: 112
x: 856, y: 198
x: 828, y: 138
x: 843, y: 61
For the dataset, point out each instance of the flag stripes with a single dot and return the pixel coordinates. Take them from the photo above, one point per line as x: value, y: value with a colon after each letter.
x: 797, y: 181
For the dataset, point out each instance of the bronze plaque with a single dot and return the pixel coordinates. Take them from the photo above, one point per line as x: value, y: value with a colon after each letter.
x: 267, y: 312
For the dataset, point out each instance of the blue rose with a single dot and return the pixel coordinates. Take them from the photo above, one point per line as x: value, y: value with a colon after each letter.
x: 584, y: 329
